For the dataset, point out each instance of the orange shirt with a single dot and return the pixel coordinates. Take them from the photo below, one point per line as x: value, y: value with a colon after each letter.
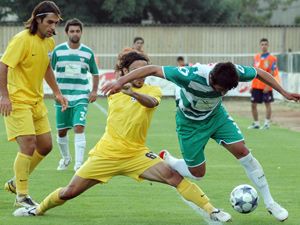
x: 268, y: 63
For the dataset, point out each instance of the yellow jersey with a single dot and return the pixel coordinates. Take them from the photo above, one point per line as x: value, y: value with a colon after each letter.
x: 127, y: 125
x: 27, y: 57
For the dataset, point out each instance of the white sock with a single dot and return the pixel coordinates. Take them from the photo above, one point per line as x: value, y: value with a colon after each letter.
x: 267, y: 121
x: 63, y: 145
x: 256, y: 123
x: 179, y: 165
x: 80, y: 143
x: 257, y: 176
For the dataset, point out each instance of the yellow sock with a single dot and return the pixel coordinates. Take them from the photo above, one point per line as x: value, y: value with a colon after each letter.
x: 21, y: 168
x: 193, y: 193
x: 51, y: 201
x: 36, y: 159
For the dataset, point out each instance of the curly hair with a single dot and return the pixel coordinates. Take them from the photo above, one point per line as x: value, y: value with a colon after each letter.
x: 126, y: 58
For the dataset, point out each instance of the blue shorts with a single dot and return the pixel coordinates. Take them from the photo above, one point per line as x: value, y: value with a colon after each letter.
x: 257, y: 96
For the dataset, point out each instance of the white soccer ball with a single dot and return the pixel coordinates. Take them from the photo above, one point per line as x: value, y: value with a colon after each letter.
x: 244, y: 198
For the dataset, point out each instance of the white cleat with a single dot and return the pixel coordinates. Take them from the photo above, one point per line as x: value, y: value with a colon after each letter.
x: 25, y: 211
x: 63, y: 164
x: 278, y: 211
x: 77, y: 166
x: 220, y: 216
x: 25, y: 201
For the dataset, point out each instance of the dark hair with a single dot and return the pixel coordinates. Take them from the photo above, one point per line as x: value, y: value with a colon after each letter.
x: 126, y: 59
x: 180, y: 58
x: 73, y: 22
x: 41, y: 11
x: 138, y: 39
x: 225, y: 75
x: 264, y: 40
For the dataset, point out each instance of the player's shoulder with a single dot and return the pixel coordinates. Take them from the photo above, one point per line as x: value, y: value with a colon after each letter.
x: 151, y: 88
x: 23, y: 35
x: 61, y: 46
x: 86, y: 48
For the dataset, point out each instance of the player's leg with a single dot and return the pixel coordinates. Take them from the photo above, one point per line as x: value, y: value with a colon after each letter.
x: 58, y: 197
x: 63, y: 124
x: 192, y: 137
x: 190, y: 192
x: 256, y: 97
x: 268, y: 99
x: 27, y: 145
x: 79, y: 121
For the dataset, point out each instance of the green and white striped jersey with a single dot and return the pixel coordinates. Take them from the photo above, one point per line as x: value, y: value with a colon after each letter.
x: 72, y: 67
x: 195, y: 98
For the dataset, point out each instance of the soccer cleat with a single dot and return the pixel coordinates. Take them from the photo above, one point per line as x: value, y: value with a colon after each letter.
x: 254, y: 126
x: 221, y: 216
x: 278, y: 212
x: 10, y: 186
x: 25, y: 201
x: 164, y: 154
x: 63, y: 164
x: 25, y: 211
x: 265, y: 127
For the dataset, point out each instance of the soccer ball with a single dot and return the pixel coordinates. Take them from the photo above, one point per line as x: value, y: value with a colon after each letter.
x: 244, y: 198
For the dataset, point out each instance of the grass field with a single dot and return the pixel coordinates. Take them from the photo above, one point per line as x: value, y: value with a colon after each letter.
x: 124, y: 201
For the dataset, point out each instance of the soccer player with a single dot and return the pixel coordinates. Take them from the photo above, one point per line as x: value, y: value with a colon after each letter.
x: 24, y: 65
x: 261, y: 92
x: 72, y: 61
x: 122, y: 149
x: 201, y: 116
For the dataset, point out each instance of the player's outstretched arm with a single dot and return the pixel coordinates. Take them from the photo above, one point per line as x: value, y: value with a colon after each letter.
x: 269, y: 80
x: 50, y: 79
x: 116, y: 86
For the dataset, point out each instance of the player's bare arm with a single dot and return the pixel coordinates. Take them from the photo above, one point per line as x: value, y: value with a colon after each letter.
x: 145, y: 100
x: 116, y: 86
x: 50, y: 79
x: 93, y: 94
x: 269, y: 80
x: 5, y: 104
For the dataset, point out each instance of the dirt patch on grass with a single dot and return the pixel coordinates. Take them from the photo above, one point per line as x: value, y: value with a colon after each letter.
x: 285, y: 114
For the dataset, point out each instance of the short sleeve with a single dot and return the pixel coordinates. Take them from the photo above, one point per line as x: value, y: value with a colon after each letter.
x: 15, y: 52
x: 93, y: 65
x: 180, y: 76
x: 246, y: 73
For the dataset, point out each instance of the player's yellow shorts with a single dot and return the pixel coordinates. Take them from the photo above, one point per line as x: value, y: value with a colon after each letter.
x: 27, y: 119
x: 103, y: 169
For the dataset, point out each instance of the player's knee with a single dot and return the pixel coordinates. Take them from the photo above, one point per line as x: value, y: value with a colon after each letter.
x: 197, y: 173
x: 170, y: 176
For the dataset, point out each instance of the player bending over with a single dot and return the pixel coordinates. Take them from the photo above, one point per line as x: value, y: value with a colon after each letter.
x: 122, y: 150
x: 201, y: 116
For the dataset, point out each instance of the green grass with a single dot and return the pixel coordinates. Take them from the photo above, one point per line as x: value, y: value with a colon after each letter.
x: 124, y: 201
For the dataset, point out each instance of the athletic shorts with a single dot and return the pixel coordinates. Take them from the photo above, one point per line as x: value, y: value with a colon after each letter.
x: 71, y: 117
x: 193, y: 135
x: 257, y: 96
x: 27, y: 119
x: 103, y: 169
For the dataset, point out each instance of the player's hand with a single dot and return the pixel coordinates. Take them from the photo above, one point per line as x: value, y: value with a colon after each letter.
x: 292, y: 96
x: 63, y: 101
x: 111, y: 87
x: 93, y: 96
x: 127, y: 89
x: 5, y: 106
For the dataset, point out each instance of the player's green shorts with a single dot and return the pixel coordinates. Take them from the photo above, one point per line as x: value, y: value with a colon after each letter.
x: 193, y: 135
x: 71, y: 117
